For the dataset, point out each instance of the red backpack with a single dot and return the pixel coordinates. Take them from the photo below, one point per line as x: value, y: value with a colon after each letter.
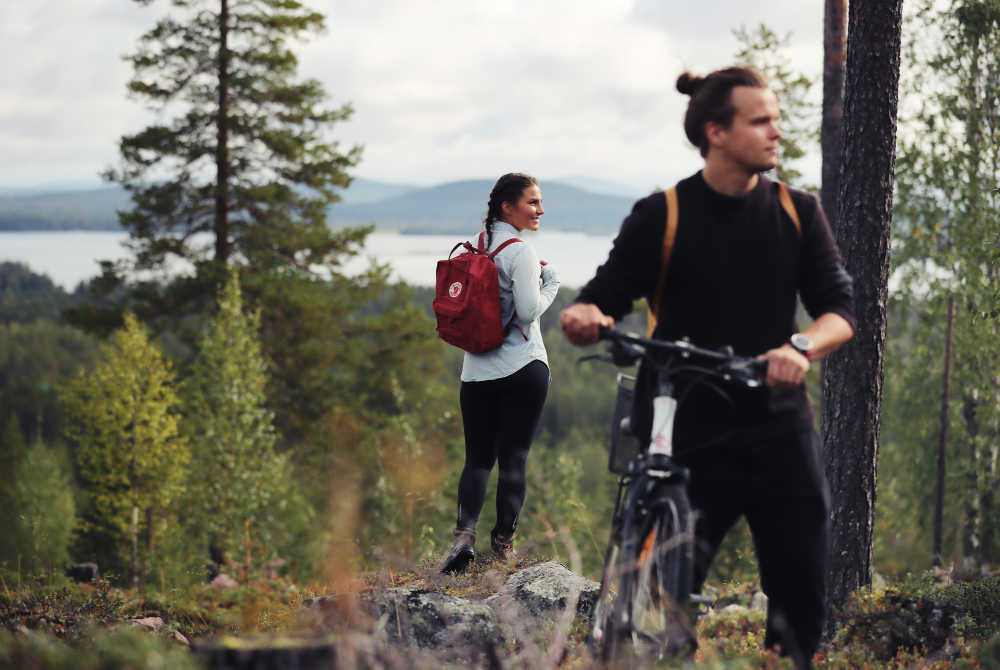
x: 467, y: 298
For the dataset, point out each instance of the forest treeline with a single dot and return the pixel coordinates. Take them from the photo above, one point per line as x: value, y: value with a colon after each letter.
x: 223, y: 480
x: 188, y: 437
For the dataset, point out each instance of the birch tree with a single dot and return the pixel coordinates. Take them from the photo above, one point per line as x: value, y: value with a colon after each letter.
x: 130, y: 455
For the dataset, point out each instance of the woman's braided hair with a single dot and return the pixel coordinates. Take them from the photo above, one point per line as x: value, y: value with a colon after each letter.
x: 711, y: 99
x: 508, y: 188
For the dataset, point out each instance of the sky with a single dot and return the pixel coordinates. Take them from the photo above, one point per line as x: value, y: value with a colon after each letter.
x: 441, y: 89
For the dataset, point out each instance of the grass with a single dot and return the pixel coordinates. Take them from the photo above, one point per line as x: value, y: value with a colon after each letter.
x: 914, y: 624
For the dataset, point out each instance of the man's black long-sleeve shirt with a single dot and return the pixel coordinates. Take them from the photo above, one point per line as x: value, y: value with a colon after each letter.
x: 737, y: 265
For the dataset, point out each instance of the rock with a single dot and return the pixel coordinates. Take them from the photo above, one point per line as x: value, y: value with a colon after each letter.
x: 224, y: 581
x: 177, y: 636
x: 758, y: 602
x: 431, y: 620
x: 416, y: 620
x: 153, y: 623
x: 545, y: 590
x: 734, y: 609
x: 83, y: 572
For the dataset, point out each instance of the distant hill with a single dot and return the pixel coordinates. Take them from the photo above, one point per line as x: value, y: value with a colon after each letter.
x: 457, y: 207
x: 453, y: 207
x: 94, y: 209
x: 369, y: 190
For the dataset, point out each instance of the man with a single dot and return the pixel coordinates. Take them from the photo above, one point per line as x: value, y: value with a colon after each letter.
x: 738, y: 262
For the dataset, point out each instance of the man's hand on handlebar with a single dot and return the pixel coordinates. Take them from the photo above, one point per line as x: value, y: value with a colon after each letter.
x: 785, y: 366
x: 581, y: 321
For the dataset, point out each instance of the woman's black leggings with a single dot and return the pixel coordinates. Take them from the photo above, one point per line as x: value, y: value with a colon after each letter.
x: 500, y: 417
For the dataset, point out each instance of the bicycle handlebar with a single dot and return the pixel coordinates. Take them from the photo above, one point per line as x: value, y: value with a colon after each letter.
x: 626, y: 349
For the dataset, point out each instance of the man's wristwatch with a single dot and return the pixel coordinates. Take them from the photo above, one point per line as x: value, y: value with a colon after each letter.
x: 801, y: 344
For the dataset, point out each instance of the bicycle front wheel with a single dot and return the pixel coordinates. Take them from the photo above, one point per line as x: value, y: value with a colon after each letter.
x: 662, y: 577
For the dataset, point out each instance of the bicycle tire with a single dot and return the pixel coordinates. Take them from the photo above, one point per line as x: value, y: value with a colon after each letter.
x: 604, y: 605
x: 656, y: 568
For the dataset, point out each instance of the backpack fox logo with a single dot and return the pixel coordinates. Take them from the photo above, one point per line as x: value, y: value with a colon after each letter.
x: 455, y: 289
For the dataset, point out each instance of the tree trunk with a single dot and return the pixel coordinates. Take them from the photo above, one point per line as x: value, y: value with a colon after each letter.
x: 943, y: 441
x: 222, y: 141
x: 834, y: 61
x: 853, y: 376
x: 971, y: 541
x: 149, y: 530
x: 135, y: 545
x: 988, y: 505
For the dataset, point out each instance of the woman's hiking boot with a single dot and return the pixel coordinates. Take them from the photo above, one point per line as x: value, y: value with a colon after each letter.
x: 502, y: 546
x: 462, y: 551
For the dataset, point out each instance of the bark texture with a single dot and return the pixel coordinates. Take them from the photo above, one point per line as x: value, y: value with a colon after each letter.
x: 834, y: 70
x: 853, y: 376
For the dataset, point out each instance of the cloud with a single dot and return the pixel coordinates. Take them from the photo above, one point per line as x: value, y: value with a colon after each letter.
x: 441, y: 90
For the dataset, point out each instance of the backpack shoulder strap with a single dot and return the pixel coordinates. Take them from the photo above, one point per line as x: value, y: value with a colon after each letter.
x: 785, y: 198
x: 502, y: 246
x: 669, y: 233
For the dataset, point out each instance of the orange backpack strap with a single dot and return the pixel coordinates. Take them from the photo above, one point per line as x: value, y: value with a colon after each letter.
x: 669, y: 233
x: 785, y: 198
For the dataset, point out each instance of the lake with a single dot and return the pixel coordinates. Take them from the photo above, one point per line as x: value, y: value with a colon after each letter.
x: 69, y: 257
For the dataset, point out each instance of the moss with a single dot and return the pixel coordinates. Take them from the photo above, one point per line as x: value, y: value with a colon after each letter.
x: 97, y: 649
x: 919, y: 619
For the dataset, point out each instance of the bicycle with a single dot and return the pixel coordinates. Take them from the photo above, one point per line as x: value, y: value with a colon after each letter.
x: 648, y: 568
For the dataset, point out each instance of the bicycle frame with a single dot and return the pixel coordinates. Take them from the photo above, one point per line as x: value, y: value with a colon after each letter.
x: 653, y: 487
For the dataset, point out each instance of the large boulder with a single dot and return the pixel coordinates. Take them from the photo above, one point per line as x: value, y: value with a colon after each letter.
x: 535, y: 605
x: 431, y: 619
x: 538, y: 599
x: 545, y: 591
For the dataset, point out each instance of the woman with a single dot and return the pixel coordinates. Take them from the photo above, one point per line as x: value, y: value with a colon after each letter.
x: 503, y: 390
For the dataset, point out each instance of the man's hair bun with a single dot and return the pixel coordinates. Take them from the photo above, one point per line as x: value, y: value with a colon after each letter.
x: 688, y: 84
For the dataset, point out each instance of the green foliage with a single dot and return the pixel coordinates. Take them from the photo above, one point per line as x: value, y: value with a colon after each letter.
x: 88, y: 626
x: 130, y: 454
x: 946, y: 210
x: 12, y: 450
x: 37, y: 356
x: 238, y: 486
x: 123, y: 649
x: 917, y: 617
x: 909, y: 440
x: 26, y: 296
x: 765, y: 51
x: 37, y: 514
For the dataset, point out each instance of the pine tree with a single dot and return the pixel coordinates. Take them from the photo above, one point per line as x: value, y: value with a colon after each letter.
x: 238, y: 483
x: 247, y: 159
x: 130, y: 455
x: 853, y: 375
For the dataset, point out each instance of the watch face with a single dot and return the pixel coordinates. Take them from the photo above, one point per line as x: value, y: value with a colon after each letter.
x: 801, y: 342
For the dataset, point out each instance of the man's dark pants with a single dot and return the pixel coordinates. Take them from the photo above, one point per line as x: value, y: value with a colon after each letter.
x: 778, y: 482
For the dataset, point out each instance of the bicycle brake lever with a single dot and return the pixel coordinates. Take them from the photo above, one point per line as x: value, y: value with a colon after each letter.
x: 752, y: 372
x: 624, y: 354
